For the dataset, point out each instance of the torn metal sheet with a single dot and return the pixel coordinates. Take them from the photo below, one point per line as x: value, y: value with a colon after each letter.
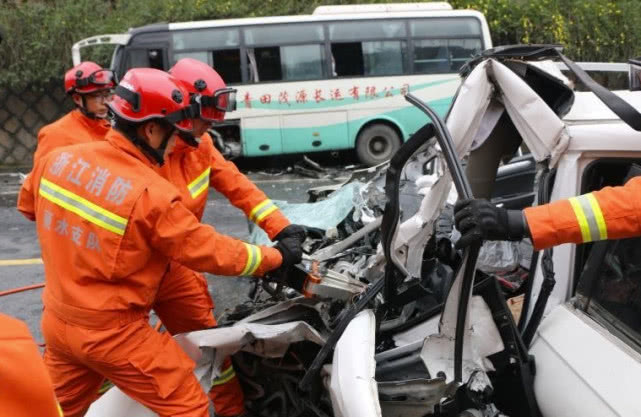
x: 541, y: 129
x: 353, y: 388
x: 482, y: 339
x: 411, y: 398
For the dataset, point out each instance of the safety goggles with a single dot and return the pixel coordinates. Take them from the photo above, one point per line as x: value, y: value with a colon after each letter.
x: 223, y: 100
x: 102, y: 77
x: 634, y: 74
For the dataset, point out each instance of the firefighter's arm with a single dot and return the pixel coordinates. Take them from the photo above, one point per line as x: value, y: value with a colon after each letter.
x: 44, y: 145
x: 178, y: 234
x: 611, y: 213
x: 244, y: 194
x: 26, y: 199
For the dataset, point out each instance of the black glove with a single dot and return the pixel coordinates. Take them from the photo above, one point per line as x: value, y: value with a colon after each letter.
x: 293, y: 230
x: 290, y: 241
x: 479, y: 220
x: 291, y: 250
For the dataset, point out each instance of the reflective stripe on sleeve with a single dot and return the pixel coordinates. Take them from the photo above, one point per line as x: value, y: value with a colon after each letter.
x: 590, y: 217
x: 82, y: 207
x: 262, y: 210
x: 254, y: 258
x: 200, y: 184
x: 227, y: 375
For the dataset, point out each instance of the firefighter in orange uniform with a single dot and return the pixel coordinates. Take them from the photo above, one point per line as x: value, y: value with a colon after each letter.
x: 193, y: 166
x: 611, y: 213
x: 25, y: 385
x: 90, y: 86
x: 108, y: 226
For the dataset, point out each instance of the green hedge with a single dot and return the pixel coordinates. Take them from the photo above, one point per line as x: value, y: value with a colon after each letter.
x: 39, y: 34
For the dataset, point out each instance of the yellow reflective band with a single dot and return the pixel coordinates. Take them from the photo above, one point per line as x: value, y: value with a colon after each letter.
x: 259, y: 206
x: 580, y: 217
x: 59, y: 409
x: 225, y: 377
x: 266, y: 213
x: 262, y: 210
x: 598, y: 216
x: 200, y: 184
x: 106, y: 386
x: 82, y: 207
x: 254, y: 258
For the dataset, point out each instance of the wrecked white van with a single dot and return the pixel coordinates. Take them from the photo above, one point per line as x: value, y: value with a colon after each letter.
x: 391, y: 321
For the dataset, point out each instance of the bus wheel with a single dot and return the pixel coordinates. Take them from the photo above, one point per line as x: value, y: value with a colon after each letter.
x: 376, y: 144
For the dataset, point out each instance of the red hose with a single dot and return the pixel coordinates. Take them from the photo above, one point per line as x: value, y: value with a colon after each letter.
x: 21, y: 289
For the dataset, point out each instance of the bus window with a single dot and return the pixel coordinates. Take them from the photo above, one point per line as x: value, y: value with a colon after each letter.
x: 284, y: 34
x: 461, y: 50
x: 203, y: 56
x: 143, y: 58
x: 227, y: 64
x: 442, y: 45
x: 269, y: 60
x: 205, y: 39
x: 445, y: 27
x: 368, y: 48
x: 219, y: 48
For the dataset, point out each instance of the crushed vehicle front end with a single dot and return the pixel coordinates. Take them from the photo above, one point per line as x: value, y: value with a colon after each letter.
x: 385, y: 318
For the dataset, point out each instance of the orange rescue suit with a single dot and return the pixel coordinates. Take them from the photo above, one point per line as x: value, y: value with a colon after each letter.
x: 71, y: 129
x: 611, y: 213
x: 185, y: 305
x: 108, y: 226
x: 194, y: 170
x: 25, y: 385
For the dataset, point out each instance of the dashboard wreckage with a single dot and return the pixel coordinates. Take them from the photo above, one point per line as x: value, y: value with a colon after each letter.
x: 385, y: 318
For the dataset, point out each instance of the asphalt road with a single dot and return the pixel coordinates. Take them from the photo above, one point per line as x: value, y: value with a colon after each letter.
x: 19, y: 245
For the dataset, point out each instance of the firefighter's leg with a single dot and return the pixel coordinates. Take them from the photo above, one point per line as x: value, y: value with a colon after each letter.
x: 75, y: 384
x: 226, y: 392
x: 183, y: 303
x: 151, y: 368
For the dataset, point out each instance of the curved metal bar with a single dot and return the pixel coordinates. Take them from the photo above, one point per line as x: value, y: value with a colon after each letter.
x: 464, y: 191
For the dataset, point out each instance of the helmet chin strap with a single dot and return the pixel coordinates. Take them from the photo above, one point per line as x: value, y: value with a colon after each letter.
x: 155, y: 155
x: 87, y: 113
x: 189, y: 139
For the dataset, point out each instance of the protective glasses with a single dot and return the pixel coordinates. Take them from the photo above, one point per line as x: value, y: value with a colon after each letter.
x: 223, y: 100
x: 101, y: 77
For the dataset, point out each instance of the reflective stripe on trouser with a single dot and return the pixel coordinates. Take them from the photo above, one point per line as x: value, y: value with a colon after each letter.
x: 106, y: 386
x: 200, y: 184
x: 590, y: 218
x: 82, y: 207
x: 226, y: 392
x: 254, y: 259
x: 262, y: 210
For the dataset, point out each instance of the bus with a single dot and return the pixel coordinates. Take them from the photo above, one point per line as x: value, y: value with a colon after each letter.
x: 333, y: 80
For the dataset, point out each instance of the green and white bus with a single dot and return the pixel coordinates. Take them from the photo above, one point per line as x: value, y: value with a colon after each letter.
x: 328, y: 81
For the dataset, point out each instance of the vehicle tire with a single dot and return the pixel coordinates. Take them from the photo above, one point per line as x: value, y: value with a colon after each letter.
x: 376, y: 144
